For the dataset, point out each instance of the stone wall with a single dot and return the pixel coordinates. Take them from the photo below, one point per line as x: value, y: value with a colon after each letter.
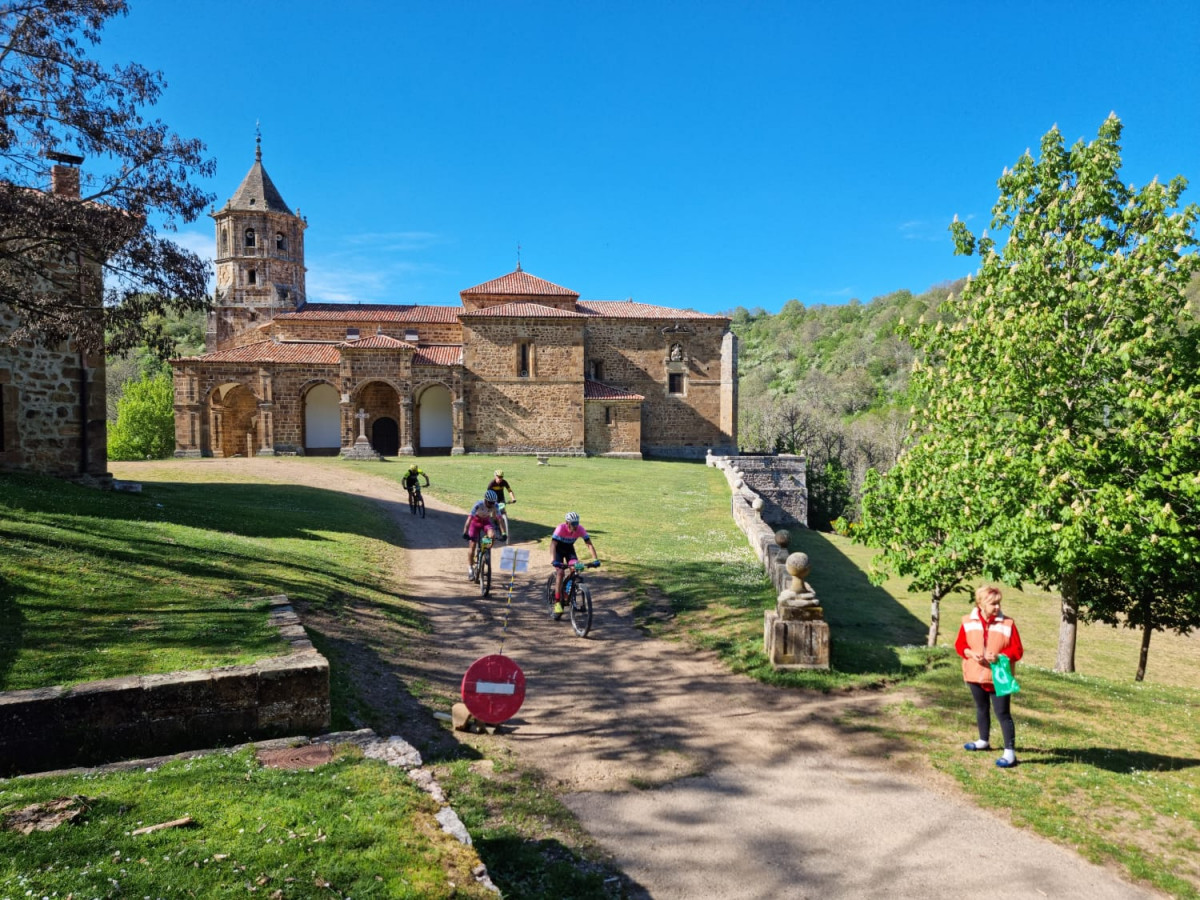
x: 782, y: 484
x: 149, y: 715
x: 747, y: 508
x: 613, y: 428
x: 52, y: 410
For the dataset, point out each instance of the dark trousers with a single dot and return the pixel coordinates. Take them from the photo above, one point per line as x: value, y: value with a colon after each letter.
x: 1003, y: 708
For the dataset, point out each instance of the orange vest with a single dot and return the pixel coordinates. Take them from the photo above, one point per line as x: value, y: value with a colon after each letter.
x: 999, y: 636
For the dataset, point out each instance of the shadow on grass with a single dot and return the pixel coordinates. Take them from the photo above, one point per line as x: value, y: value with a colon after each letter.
x: 526, y: 868
x: 12, y: 628
x: 1110, y: 759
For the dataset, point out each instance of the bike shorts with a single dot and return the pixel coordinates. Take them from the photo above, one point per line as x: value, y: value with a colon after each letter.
x: 475, y: 528
x: 564, y: 552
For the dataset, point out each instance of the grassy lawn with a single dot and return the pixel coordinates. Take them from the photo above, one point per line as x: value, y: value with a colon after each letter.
x: 1109, y: 766
x: 99, y: 584
x: 351, y: 828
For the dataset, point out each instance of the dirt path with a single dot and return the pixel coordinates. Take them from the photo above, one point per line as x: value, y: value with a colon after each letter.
x: 699, y: 782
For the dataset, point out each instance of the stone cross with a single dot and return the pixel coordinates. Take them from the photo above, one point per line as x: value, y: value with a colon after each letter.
x: 361, y: 415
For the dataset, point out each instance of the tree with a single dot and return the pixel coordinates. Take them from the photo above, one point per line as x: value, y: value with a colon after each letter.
x: 1069, y: 373
x: 54, y: 99
x: 145, y: 427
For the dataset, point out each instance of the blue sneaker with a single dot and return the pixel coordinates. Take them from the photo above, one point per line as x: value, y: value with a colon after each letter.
x: 1005, y: 763
x: 971, y: 746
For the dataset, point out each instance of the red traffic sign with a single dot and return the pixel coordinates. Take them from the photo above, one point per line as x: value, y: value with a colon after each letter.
x: 493, y: 689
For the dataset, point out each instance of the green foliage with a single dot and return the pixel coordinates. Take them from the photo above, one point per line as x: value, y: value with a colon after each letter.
x: 145, y: 426
x: 828, y: 494
x: 1062, y: 387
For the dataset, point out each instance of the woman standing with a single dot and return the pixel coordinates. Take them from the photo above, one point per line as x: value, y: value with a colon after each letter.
x: 986, y: 635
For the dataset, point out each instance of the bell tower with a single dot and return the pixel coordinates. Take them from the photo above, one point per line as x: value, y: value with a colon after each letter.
x: 260, y: 260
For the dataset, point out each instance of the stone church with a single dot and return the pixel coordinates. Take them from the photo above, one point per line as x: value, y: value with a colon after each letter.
x: 518, y: 365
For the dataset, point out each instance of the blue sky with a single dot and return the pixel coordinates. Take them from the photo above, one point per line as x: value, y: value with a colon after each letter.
x: 693, y: 154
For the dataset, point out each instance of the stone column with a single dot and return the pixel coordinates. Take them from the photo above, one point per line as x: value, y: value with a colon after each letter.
x: 266, y: 430
x: 217, y: 433
x: 406, y: 427
x: 457, y: 449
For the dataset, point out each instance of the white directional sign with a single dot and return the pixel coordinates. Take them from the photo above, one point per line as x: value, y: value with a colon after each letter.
x: 513, y: 559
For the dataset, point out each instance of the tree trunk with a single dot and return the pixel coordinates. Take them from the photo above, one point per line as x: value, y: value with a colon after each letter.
x: 1067, y: 628
x: 1144, y: 653
x: 935, y: 616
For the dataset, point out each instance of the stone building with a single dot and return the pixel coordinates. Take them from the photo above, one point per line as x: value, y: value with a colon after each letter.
x: 518, y: 365
x: 52, y: 396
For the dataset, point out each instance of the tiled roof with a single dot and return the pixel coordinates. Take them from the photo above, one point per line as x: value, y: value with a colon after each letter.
x: 523, y: 310
x: 378, y: 342
x: 627, y: 309
x: 438, y: 355
x: 257, y: 192
x: 271, y: 352
x: 594, y: 390
x: 372, y: 312
x: 521, y: 283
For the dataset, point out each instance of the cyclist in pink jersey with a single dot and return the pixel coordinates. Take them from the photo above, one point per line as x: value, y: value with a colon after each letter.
x: 484, y: 518
x: 563, y: 544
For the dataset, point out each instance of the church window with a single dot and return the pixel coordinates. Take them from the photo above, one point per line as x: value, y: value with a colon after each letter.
x: 675, y: 382
x: 525, y: 359
x: 352, y: 334
x: 252, y: 276
x: 250, y: 239
x: 597, y: 370
x: 224, y: 241
x: 608, y: 415
x: 280, y: 241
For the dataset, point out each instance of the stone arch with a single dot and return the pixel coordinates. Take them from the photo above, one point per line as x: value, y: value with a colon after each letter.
x: 322, y: 419
x: 381, y: 400
x: 433, y: 419
x: 233, y: 421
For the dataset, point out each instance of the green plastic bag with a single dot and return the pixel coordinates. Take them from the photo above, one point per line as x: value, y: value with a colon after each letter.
x: 1002, y: 677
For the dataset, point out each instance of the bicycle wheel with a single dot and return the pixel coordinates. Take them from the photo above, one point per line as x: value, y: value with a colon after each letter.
x: 421, y: 505
x: 581, y: 610
x: 485, y: 573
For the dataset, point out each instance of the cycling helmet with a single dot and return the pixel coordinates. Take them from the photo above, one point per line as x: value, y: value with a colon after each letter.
x: 499, y: 473
x: 414, y: 467
x: 490, y: 496
x: 572, y: 518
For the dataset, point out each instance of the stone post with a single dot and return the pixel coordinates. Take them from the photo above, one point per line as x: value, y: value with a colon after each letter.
x: 406, y: 427
x: 795, y: 633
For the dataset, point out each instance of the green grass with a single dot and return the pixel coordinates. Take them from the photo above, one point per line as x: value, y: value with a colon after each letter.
x: 1109, y: 767
x: 351, y: 828
x: 98, y: 584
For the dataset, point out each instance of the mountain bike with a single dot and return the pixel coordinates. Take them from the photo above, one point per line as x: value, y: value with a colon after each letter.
x: 483, y: 564
x: 416, y: 502
x: 577, y: 597
x: 500, y: 507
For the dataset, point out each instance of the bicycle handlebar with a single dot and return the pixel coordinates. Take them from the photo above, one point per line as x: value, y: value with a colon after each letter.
x: 578, y: 567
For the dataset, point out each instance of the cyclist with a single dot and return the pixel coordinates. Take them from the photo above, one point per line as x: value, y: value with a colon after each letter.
x: 483, y: 518
x: 410, y: 479
x: 500, y: 485
x: 563, y: 544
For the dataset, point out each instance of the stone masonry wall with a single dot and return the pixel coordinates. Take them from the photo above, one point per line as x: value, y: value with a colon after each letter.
x: 634, y: 356
x: 427, y: 332
x: 781, y: 482
x: 151, y: 715
x: 617, y: 432
x: 44, y: 428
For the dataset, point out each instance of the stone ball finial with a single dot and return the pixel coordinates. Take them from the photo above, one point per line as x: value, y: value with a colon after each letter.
x: 798, y: 565
x: 783, y: 537
x: 756, y: 504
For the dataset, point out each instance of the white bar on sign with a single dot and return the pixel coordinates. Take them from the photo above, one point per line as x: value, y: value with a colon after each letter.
x: 495, y: 687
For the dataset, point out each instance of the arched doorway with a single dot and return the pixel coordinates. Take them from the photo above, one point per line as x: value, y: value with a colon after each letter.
x: 234, y: 428
x: 322, y: 421
x: 435, y: 423
x: 385, y: 436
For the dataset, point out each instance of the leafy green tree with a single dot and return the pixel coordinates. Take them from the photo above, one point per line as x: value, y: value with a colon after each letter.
x: 145, y: 426
x: 56, y: 98
x: 1069, y: 373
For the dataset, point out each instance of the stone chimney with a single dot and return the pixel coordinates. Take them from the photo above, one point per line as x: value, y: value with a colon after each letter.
x: 64, y: 181
x: 64, y: 174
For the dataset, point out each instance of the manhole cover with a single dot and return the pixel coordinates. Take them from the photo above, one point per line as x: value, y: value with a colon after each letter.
x: 305, y: 757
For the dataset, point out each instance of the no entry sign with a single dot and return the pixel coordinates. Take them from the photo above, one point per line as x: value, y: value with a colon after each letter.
x: 493, y: 689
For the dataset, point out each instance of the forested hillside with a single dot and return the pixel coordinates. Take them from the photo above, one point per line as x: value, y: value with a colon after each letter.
x: 831, y: 383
